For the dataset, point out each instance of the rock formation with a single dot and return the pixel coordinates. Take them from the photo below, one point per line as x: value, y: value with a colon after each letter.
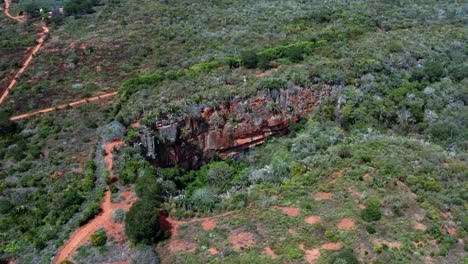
x: 202, y: 132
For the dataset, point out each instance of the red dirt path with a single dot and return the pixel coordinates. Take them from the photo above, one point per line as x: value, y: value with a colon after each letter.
x: 27, y: 62
x: 104, y: 219
x: 64, y: 106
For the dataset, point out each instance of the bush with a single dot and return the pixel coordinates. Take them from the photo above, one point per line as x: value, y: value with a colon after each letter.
x: 370, y: 229
x: 219, y: 173
x: 142, y: 223
x: 345, y: 257
x: 372, y: 211
x: 149, y: 188
x: 203, y: 199
x: 118, y: 215
x: 249, y: 59
x: 98, y: 238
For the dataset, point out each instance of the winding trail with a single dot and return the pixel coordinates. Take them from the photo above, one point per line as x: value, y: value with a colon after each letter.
x: 63, y: 106
x: 43, y: 35
x: 20, y: 19
x: 103, y: 220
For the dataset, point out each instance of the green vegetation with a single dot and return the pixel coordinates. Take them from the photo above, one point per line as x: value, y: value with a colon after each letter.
x: 142, y: 224
x: 392, y: 135
x: 98, y: 238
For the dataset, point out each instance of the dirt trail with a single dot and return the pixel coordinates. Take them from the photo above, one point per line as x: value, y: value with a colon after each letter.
x: 40, y: 42
x: 103, y: 220
x: 63, y: 106
x: 20, y: 19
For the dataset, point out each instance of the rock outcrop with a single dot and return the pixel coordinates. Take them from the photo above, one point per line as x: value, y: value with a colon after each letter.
x: 202, y: 132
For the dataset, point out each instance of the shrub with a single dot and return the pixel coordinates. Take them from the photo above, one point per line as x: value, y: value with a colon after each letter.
x: 219, y: 173
x: 204, y: 199
x: 372, y: 211
x: 345, y: 257
x: 118, y: 215
x: 149, y: 188
x: 249, y: 59
x: 142, y: 223
x: 370, y: 229
x: 98, y: 238
x: 344, y: 153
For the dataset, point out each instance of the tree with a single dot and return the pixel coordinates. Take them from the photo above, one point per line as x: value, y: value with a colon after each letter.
x: 142, y: 223
x: 148, y: 188
x: 31, y: 9
x: 6, y: 126
x: 249, y: 59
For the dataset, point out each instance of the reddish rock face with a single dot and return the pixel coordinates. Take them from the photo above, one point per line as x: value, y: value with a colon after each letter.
x: 203, y: 132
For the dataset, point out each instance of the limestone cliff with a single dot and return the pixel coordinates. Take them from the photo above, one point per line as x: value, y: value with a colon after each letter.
x: 202, y: 132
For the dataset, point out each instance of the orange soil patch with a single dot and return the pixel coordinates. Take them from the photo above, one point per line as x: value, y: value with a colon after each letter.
x: 270, y: 252
x: 419, y: 226
x: 213, y: 251
x: 379, y: 242
x: 332, y: 246
x: 103, y: 220
x: 136, y: 124
x: 452, y: 230
x: 323, y: 196
x: 290, y: 211
x: 346, y: 224
x: 63, y: 106
x: 292, y: 231
x: 312, y: 219
x: 241, y: 239
x: 312, y: 255
x: 209, y: 224
x: 367, y: 177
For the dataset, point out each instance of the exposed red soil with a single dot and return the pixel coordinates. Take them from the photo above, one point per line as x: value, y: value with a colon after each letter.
x: 323, y: 196
x: 452, y: 230
x: 240, y: 239
x: 27, y: 62
x: 339, y: 173
x: 209, y: 224
x: 312, y: 219
x: 64, y: 106
x: 20, y: 19
x: 419, y: 226
x: 213, y: 251
x: 290, y: 211
x: 136, y: 124
x: 346, y: 224
x: 312, y: 255
x: 332, y: 246
x: 270, y: 252
x: 103, y: 220
x: 367, y: 177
